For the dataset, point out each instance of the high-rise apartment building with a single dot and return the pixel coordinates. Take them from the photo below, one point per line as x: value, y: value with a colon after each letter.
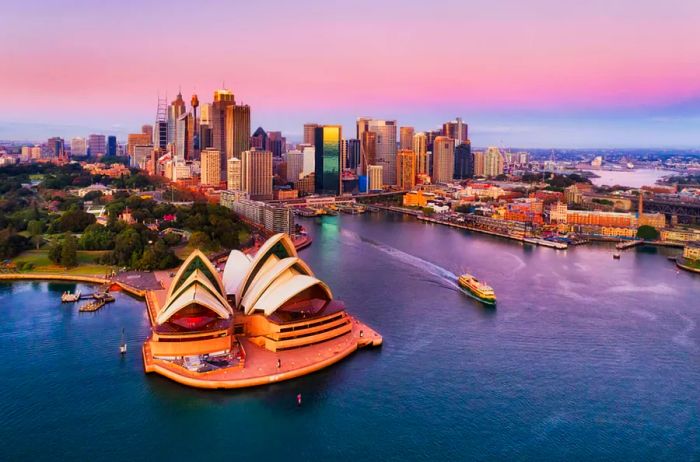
x: 420, y: 147
x: 141, y: 155
x: 406, y: 137
x: 493, y: 162
x: 479, y: 163
x: 96, y: 145
x: 375, y: 177
x: 443, y: 159
x: 26, y: 154
x: 385, y: 147
x: 78, y: 146
x: 328, y: 162
x: 233, y: 174
x: 295, y: 165
x: 464, y: 161
x: 256, y: 174
x: 209, y: 165
x: 136, y: 139
x: 309, y: 133
x: 406, y: 169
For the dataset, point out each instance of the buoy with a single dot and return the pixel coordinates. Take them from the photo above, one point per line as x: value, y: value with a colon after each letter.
x: 299, y: 399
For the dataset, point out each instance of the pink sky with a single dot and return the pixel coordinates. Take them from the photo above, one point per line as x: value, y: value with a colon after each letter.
x: 84, y: 62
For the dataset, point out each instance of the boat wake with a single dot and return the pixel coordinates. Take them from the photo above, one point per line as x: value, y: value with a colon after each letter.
x: 446, y: 277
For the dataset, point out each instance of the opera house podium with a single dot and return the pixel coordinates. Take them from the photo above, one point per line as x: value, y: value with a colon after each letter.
x: 266, y: 318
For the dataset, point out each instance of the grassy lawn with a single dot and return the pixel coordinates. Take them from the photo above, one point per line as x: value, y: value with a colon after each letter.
x: 88, y: 262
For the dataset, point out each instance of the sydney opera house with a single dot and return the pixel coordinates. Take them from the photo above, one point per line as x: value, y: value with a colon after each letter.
x: 263, y: 319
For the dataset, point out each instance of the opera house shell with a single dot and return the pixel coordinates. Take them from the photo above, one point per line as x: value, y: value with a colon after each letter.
x: 209, y: 321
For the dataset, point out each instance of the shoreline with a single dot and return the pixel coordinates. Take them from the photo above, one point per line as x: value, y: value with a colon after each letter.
x: 529, y: 240
x: 141, y: 293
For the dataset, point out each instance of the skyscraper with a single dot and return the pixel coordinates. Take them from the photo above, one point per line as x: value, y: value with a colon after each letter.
x: 160, y: 137
x: 351, y: 153
x: 55, y: 147
x: 464, y: 161
x: 256, y: 174
x: 97, y: 145
x: 222, y: 100
x: 259, y: 139
x: 184, y: 141
x: 309, y: 133
x: 443, y: 159
x: 237, y: 130
x: 328, y: 162
x: 406, y: 169
x: 209, y: 165
x: 295, y: 165
x: 385, y: 146
x: 420, y: 147
x: 112, y: 143
x: 276, y: 143
x: 368, y: 150
x: 493, y: 162
x: 175, y: 110
x: 456, y: 129
x: 406, y: 137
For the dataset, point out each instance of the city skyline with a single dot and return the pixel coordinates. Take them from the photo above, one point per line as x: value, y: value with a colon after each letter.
x: 594, y: 75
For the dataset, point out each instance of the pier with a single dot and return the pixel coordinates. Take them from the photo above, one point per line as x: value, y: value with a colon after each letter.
x: 98, y: 303
x: 628, y: 244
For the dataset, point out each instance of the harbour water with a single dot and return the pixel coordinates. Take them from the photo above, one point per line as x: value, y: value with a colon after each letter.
x: 631, y: 178
x: 585, y: 358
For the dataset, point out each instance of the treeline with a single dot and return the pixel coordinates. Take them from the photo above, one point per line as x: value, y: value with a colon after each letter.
x: 28, y: 218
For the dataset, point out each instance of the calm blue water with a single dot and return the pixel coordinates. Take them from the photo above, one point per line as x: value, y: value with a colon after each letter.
x: 585, y: 358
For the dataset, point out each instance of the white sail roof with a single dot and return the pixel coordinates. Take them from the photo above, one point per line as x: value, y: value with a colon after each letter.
x: 274, y: 249
x: 282, y: 291
x: 236, y: 268
x: 281, y: 270
x: 194, y: 294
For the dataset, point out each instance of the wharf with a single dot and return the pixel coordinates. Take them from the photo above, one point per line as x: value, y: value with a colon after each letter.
x: 469, y: 228
x: 96, y: 304
x: 546, y: 243
x: 628, y: 244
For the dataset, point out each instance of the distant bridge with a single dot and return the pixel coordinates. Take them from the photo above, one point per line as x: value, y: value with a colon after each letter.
x: 687, y: 212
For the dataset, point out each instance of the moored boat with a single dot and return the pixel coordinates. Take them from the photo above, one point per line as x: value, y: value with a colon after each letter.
x: 477, y: 289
